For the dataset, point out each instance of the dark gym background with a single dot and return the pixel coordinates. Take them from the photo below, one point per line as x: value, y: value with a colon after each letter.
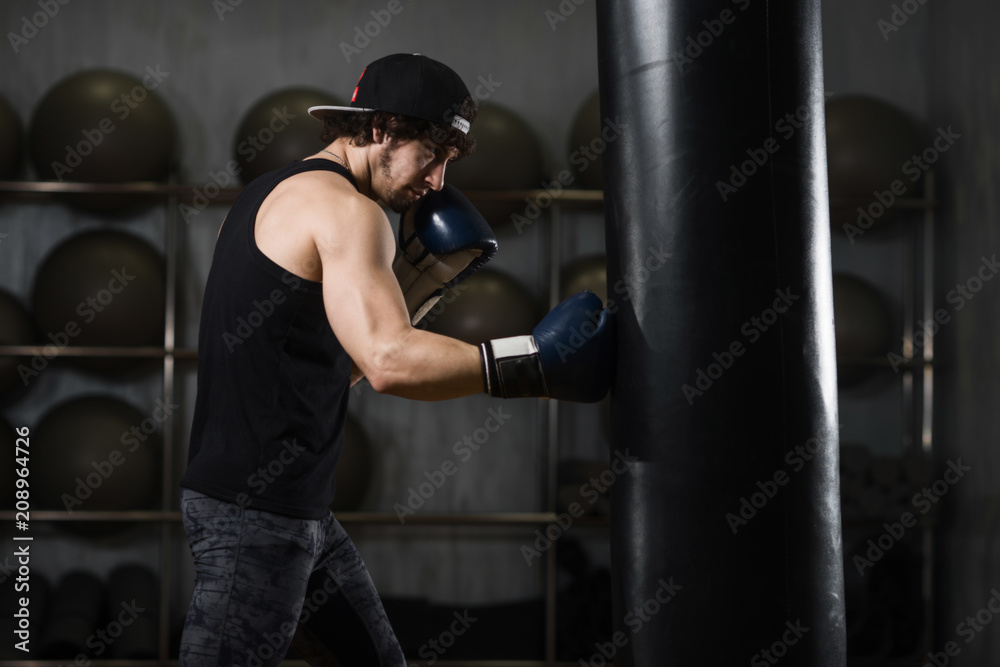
x: 938, y: 62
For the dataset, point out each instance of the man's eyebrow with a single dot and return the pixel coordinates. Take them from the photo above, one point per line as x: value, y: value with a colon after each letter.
x: 450, y: 150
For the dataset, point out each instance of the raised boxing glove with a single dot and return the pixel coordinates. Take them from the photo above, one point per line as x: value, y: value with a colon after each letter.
x: 443, y: 240
x: 570, y: 355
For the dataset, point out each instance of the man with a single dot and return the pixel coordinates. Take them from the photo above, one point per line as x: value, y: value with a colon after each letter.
x: 302, y: 301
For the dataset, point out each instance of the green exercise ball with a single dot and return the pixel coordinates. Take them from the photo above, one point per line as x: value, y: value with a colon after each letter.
x: 277, y: 130
x: 862, y: 326
x: 11, y: 142
x: 870, y: 146
x: 103, y: 126
x: 508, y: 156
x: 585, y: 273
x: 489, y: 304
x: 15, y: 329
x: 355, y: 469
x: 100, y: 454
x: 8, y: 474
x: 76, y: 610
x: 585, y: 140
x: 107, y: 286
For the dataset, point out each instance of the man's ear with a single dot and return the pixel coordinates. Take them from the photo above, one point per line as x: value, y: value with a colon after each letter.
x: 378, y: 136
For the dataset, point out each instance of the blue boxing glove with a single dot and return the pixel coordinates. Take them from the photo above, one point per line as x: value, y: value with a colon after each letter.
x: 443, y: 240
x: 570, y: 355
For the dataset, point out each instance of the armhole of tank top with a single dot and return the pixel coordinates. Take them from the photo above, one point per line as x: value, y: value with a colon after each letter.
x: 257, y: 255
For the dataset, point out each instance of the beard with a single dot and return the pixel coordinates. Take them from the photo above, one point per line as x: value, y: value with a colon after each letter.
x: 397, y: 200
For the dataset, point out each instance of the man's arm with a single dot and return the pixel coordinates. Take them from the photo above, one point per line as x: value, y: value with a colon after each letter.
x: 368, y: 314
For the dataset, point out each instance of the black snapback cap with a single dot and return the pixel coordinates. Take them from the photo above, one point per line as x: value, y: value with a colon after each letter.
x: 410, y: 85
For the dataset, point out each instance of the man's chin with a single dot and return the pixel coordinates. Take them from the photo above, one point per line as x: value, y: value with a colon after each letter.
x: 400, y: 202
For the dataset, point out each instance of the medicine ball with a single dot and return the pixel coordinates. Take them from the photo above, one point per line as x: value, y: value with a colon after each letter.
x: 11, y: 142
x: 508, y: 156
x: 585, y: 140
x: 585, y: 273
x: 278, y: 129
x: 489, y: 304
x: 862, y: 326
x: 871, y: 145
x: 103, y: 126
x: 101, y: 454
x: 76, y: 610
x: 101, y: 288
x: 15, y: 329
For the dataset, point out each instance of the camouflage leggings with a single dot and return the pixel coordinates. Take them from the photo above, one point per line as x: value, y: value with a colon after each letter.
x: 264, y: 580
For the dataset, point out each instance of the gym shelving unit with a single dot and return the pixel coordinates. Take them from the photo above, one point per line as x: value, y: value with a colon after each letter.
x: 168, y: 518
x: 917, y: 382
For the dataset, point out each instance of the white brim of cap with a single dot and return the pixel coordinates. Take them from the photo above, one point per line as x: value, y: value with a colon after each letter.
x: 319, y: 112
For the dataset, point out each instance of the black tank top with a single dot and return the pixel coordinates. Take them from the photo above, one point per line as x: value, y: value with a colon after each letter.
x: 273, y: 380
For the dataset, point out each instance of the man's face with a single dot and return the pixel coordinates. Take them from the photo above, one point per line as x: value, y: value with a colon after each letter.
x: 408, y: 169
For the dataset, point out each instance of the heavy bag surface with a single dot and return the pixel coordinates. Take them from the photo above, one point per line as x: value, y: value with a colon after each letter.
x: 719, y: 269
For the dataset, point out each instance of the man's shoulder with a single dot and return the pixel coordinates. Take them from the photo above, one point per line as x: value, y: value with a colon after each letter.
x: 326, y: 193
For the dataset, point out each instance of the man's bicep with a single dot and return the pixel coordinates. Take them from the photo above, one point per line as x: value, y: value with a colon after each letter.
x: 363, y: 301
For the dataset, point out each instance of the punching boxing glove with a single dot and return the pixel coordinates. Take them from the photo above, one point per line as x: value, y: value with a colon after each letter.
x: 569, y: 355
x: 443, y: 240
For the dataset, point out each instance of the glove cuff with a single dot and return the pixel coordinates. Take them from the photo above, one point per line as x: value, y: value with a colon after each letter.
x: 512, y: 368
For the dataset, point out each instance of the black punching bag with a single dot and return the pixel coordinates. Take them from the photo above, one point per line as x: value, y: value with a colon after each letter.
x: 726, y: 545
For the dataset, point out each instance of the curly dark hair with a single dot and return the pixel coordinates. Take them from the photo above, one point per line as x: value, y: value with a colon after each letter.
x: 358, y: 126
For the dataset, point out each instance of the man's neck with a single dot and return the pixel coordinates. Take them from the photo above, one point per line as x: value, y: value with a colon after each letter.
x: 355, y: 159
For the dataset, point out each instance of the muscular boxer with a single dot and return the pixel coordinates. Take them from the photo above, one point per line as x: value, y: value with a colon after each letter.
x: 303, y: 299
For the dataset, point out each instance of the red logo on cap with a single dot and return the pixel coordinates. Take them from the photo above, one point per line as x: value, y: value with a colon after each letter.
x: 355, y: 95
